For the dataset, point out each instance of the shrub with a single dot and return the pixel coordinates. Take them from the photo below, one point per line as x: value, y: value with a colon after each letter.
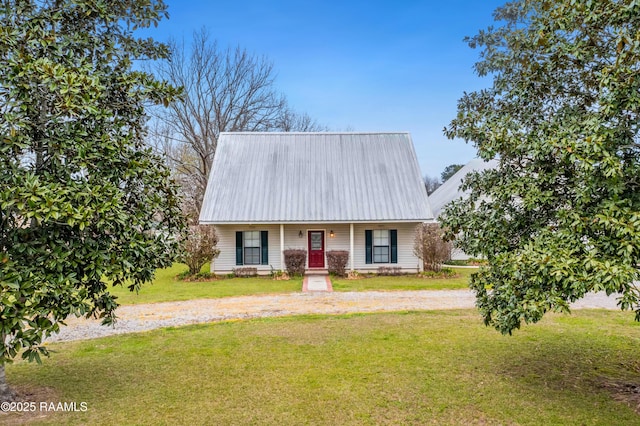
x: 443, y: 273
x: 200, y: 276
x: 337, y: 262
x: 294, y: 260
x: 199, y: 247
x: 389, y: 270
x: 245, y: 272
x: 468, y: 262
x: 354, y: 275
x: 430, y: 247
x: 458, y: 262
x: 278, y: 275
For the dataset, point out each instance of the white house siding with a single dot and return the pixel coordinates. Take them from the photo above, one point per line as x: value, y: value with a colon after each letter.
x: 226, y: 261
x: 406, y: 260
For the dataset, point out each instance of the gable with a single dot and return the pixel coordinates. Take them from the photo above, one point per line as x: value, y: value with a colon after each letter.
x: 450, y: 190
x: 315, y: 177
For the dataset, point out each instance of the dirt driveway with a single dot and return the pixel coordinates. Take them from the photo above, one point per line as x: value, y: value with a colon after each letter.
x: 135, y: 318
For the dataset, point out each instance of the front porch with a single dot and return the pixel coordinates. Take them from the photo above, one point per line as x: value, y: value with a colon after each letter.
x: 262, y: 246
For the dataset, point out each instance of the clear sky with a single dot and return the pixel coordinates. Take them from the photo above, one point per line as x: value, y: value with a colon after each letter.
x: 359, y: 65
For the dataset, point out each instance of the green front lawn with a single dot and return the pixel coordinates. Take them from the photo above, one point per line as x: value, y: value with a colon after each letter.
x: 405, y: 282
x: 166, y: 288
x: 398, y: 368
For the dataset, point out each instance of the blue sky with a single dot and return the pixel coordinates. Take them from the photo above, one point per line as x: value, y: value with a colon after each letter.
x: 358, y: 65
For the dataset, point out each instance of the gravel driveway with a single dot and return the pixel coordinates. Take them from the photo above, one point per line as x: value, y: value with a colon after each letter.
x: 135, y: 318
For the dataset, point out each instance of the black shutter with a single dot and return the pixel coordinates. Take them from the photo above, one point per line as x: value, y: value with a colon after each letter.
x: 264, y: 244
x: 368, y: 241
x: 393, y: 235
x: 239, y: 248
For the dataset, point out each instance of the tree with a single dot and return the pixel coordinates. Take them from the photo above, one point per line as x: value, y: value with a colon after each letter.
x: 449, y: 171
x: 431, y: 184
x: 429, y: 245
x: 199, y: 247
x: 83, y: 201
x: 560, y: 215
x: 225, y: 90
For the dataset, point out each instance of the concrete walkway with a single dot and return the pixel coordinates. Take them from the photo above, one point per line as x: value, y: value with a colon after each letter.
x: 316, y: 283
x: 136, y: 318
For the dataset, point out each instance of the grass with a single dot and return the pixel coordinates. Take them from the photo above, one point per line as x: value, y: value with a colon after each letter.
x: 400, y: 368
x: 166, y: 288
x: 405, y: 282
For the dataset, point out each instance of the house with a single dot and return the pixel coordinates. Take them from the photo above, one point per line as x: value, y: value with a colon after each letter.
x: 450, y: 191
x: 360, y: 192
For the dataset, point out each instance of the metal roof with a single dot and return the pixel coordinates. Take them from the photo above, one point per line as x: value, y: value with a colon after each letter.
x: 315, y: 177
x: 450, y: 190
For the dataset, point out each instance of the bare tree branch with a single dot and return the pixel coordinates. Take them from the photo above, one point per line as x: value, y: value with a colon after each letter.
x: 224, y: 90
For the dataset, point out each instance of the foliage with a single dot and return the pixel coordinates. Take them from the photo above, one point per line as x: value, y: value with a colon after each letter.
x: 200, y: 276
x: 295, y: 261
x: 449, y: 171
x: 551, y: 374
x: 560, y: 215
x: 83, y: 202
x: 279, y: 275
x: 389, y: 270
x: 429, y: 246
x: 442, y: 273
x: 467, y: 262
x: 354, y: 275
x: 199, y: 247
x: 245, y: 272
x: 337, y: 262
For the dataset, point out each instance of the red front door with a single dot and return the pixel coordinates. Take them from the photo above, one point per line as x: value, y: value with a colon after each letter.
x: 316, y: 249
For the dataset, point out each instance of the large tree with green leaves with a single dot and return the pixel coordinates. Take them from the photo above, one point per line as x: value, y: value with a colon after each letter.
x: 560, y: 215
x: 449, y: 171
x: 83, y: 201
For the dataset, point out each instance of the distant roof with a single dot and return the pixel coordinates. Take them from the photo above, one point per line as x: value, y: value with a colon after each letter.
x: 315, y: 177
x: 450, y: 190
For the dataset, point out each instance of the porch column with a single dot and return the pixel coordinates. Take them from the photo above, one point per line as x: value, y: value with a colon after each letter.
x: 281, y: 247
x: 351, y: 254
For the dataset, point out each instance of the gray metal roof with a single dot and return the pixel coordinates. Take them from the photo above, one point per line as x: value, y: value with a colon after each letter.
x: 315, y: 177
x: 450, y: 190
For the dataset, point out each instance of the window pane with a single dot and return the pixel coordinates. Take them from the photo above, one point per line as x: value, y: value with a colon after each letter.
x: 381, y: 254
x: 252, y: 256
x: 316, y: 241
x: 252, y: 238
x: 380, y: 237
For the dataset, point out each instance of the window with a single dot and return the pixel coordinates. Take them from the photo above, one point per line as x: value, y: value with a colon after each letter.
x: 380, y: 246
x: 252, y: 247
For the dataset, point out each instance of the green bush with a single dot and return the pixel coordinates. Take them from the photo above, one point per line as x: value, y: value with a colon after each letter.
x: 467, y: 262
x: 442, y: 273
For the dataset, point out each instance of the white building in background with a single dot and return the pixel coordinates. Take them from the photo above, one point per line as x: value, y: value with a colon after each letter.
x: 450, y: 191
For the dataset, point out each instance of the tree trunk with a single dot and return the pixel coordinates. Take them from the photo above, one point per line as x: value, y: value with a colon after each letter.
x: 6, y: 394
